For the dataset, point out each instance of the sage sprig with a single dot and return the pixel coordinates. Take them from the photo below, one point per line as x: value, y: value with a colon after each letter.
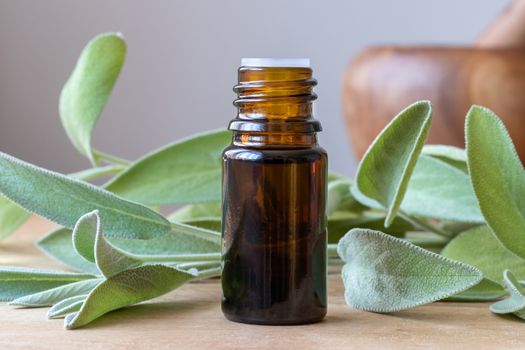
x: 419, y: 223
x: 515, y: 303
x: 85, y: 94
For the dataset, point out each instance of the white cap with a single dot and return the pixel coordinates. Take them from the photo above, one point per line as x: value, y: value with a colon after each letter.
x: 276, y: 62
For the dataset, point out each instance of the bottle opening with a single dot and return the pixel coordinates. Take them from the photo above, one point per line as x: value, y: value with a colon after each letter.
x: 276, y: 62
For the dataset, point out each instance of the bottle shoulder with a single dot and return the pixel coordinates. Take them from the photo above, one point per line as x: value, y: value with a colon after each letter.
x: 252, y: 154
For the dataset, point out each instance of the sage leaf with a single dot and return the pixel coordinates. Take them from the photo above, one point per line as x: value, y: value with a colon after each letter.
x: 96, y: 173
x: 63, y: 200
x: 497, y: 176
x: 441, y: 191
x: 211, y: 210
x: 340, y: 198
x: 66, y: 306
x: 187, y: 171
x: 515, y: 303
x: 54, y: 295
x: 480, y: 248
x: 110, y: 260
x: 387, y: 165
x: 386, y: 274
x: 427, y: 240
x: 206, y: 223
x: 89, y: 241
x: 454, y: 156
x: 58, y: 245
x: 342, y: 222
x: 486, y: 290
x: 168, y: 244
x: 16, y: 282
x: 86, y: 92
x: 91, y: 245
x: 84, y: 235
x: 127, y: 288
x: 11, y: 217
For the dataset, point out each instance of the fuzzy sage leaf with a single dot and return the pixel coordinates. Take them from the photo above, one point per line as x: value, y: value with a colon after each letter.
x: 188, y: 171
x: 86, y: 92
x: 16, y: 282
x: 342, y: 222
x: 11, y: 217
x: 497, y: 176
x: 66, y: 306
x: 57, y: 294
x: 387, y: 165
x: 441, y: 191
x: 514, y: 304
x: 489, y: 255
x: 63, y: 200
x: 126, y: 288
x: 386, y: 274
x: 486, y: 290
x: 454, y: 156
x: 58, y: 245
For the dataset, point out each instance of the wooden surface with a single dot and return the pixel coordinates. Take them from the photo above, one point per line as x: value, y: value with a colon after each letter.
x: 190, y: 318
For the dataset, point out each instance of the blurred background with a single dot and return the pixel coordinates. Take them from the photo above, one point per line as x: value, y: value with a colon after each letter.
x: 182, y: 61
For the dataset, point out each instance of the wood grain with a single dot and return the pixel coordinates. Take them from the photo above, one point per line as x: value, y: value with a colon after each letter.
x: 190, y: 318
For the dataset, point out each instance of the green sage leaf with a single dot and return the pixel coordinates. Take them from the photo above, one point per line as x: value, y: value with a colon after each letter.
x: 386, y: 167
x: 211, y: 210
x: 206, y: 223
x: 11, y: 217
x: 89, y: 241
x: 54, y: 295
x: 63, y: 200
x: 497, y: 176
x: 188, y: 171
x: 340, y: 198
x: 340, y: 223
x: 110, y: 261
x: 58, y: 245
x: 480, y: 248
x: 66, y: 306
x: 486, y: 290
x: 127, y: 288
x: 96, y: 173
x: 441, y: 191
x: 84, y: 235
x: 16, y: 282
x: 386, y: 274
x: 86, y: 92
x: 515, y: 303
x: 454, y: 156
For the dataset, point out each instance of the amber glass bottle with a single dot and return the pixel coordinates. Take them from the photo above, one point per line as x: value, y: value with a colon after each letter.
x: 274, y: 188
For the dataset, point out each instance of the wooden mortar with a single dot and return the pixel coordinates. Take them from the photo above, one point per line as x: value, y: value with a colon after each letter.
x: 381, y: 81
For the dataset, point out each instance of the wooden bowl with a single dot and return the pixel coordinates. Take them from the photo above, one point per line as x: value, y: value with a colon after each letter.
x: 381, y: 81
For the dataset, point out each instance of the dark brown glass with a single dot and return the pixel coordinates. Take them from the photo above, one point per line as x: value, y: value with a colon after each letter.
x: 274, y: 194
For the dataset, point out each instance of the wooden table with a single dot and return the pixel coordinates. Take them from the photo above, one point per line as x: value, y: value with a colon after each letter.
x: 190, y: 318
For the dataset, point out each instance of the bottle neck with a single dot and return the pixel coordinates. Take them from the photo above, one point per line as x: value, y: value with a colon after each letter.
x: 275, y: 107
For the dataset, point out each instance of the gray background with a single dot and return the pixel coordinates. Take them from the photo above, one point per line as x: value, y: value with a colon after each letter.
x: 182, y: 61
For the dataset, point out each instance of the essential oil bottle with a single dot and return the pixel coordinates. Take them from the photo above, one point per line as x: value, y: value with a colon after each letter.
x: 274, y: 194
